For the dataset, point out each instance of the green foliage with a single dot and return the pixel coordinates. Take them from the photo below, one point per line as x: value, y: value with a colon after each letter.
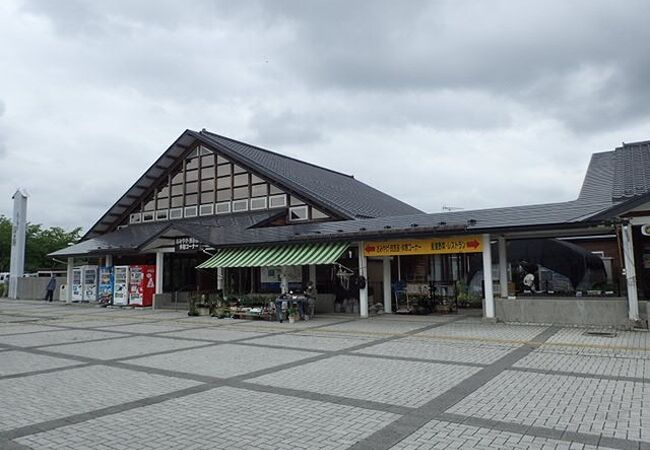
x: 39, y: 242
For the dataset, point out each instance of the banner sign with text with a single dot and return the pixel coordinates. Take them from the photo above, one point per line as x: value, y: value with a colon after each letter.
x: 456, y: 244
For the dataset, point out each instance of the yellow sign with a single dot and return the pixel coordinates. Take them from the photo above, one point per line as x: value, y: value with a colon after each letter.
x: 455, y: 244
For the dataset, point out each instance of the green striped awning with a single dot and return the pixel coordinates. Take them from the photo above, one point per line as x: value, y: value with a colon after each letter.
x: 281, y: 255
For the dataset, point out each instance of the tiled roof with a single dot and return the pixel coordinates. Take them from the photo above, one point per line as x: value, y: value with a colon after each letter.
x: 339, y: 192
x: 631, y: 170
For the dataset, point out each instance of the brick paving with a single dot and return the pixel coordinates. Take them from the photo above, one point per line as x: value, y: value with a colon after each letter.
x: 83, y: 377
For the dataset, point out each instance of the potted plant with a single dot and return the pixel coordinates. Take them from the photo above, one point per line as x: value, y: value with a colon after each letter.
x: 193, y: 310
x: 292, y: 313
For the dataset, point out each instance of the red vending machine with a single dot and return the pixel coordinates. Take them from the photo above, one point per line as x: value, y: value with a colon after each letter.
x: 142, y: 285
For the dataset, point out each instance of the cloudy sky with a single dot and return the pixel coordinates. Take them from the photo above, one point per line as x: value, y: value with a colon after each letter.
x: 469, y: 104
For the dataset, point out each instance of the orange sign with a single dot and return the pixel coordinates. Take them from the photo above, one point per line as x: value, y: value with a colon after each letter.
x: 455, y: 244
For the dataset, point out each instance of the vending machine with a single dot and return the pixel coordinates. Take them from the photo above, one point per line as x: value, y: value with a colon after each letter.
x: 121, y: 285
x: 89, y: 283
x: 142, y: 285
x: 105, y: 289
x: 77, y: 284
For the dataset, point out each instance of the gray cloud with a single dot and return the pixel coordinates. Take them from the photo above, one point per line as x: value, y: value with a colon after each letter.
x: 451, y: 102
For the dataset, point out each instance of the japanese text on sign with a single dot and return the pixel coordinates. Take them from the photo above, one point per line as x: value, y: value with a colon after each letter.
x: 186, y: 243
x: 457, y: 244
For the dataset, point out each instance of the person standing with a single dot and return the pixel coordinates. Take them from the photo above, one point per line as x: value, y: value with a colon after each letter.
x: 51, y: 285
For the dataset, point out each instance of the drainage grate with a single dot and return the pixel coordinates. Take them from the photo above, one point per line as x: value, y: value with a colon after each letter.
x: 609, y: 334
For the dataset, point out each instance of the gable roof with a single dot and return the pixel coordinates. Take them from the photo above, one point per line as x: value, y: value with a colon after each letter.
x: 340, y: 194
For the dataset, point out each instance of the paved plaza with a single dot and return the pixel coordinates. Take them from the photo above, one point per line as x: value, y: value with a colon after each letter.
x: 85, y: 377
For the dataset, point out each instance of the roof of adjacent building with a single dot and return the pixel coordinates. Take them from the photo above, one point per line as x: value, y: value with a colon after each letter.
x: 612, y: 181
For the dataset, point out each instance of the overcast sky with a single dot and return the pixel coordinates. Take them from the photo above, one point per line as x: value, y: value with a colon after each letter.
x: 470, y: 104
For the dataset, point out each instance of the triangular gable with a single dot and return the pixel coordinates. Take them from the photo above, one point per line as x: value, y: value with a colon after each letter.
x: 196, y: 177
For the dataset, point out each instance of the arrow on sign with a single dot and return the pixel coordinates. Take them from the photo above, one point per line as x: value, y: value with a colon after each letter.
x: 473, y: 244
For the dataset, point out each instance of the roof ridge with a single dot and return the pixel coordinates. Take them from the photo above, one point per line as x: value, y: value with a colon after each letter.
x: 204, y: 131
x: 627, y: 144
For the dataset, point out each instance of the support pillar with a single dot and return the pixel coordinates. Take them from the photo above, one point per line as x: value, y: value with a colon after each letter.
x: 388, y: 301
x: 284, y: 282
x: 109, y: 261
x: 503, y: 267
x: 630, y: 273
x: 160, y: 269
x: 220, y: 278
x: 68, y: 288
x: 363, y: 272
x: 488, y: 308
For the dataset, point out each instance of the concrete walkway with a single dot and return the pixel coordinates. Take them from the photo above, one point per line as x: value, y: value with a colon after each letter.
x: 75, y: 376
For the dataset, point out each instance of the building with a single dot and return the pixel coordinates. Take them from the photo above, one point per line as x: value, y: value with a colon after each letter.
x: 215, y: 213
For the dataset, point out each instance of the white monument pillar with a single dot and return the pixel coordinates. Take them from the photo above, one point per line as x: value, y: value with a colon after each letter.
x: 503, y: 267
x: 630, y: 273
x: 18, y: 235
x: 487, y: 278
x: 160, y: 269
x: 388, y: 301
x: 68, y: 286
x: 363, y: 272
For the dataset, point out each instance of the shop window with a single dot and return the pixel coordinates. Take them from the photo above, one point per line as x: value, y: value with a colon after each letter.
x: 176, y: 213
x: 241, y: 180
x: 207, y: 185
x: 206, y: 210
x: 135, y: 218
x: 162, y: 215
x: 207, y: 197
x: 192, y: 175
x: 207, y: 173
x: 240, y: 205
x: 177, y: 201
x: 162, y: 203
x: 222, y: 208
x: 278, y: 201
x: 241, y: 192
x: 259, y: 190
x: 190, y: 211
x: 191, y: 199
x: 298, y: 213
x: 258, y: 203
x: 316, y: 214
x: 177, y: 189
x: 147, y: 217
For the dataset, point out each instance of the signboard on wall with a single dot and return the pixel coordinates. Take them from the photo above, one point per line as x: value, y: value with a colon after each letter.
x: 454, y: 244
x: 186, y: 244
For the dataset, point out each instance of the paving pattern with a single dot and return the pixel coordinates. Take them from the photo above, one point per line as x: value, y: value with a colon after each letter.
x: 84, y: 377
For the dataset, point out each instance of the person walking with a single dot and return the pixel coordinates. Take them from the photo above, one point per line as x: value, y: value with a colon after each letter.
x: 51, y: 285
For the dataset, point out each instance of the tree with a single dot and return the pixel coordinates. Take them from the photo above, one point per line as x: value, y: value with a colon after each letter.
x: 39, y: 242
